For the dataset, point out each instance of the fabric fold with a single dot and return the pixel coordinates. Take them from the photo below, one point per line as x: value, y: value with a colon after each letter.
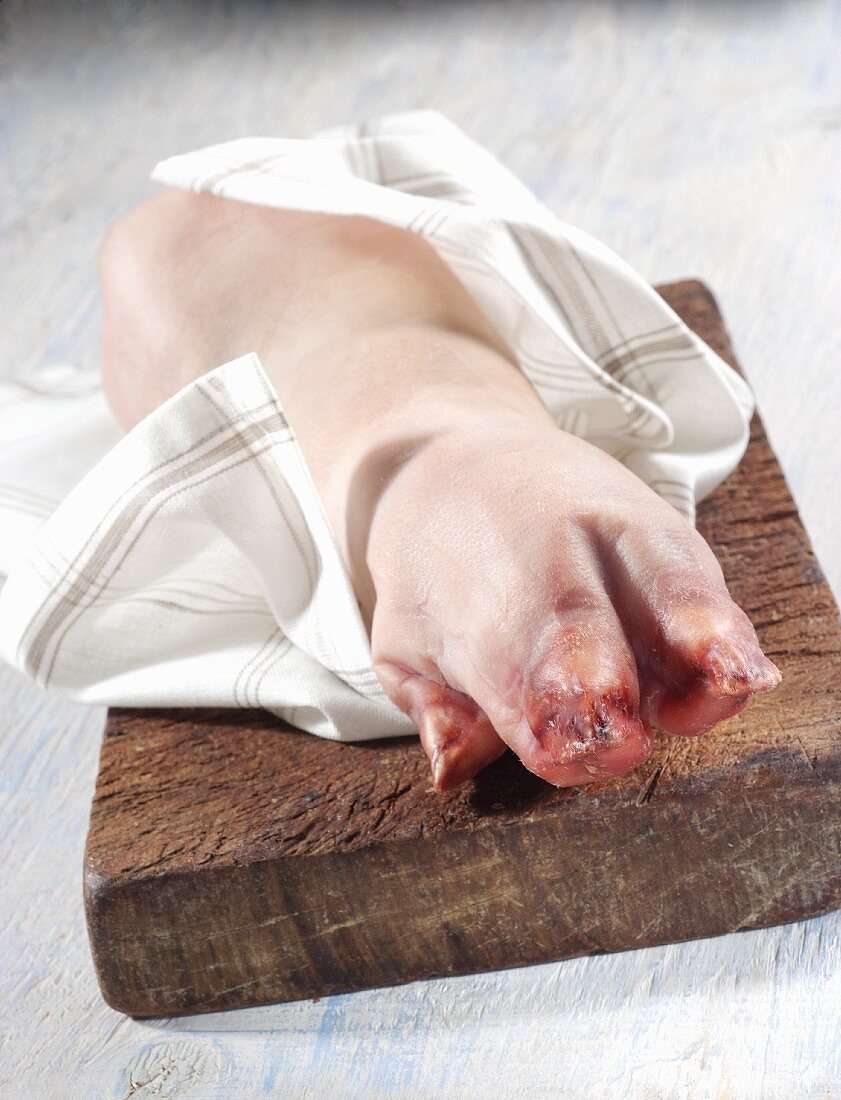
x: 194, y: 566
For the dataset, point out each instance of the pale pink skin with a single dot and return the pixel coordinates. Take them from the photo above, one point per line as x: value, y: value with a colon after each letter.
x: 520, y: 586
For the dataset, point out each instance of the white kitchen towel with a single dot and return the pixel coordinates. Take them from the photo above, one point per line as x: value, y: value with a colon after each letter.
x: 193, y: 564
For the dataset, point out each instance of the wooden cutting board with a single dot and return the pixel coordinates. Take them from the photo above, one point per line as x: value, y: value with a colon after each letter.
x: 234, y: 861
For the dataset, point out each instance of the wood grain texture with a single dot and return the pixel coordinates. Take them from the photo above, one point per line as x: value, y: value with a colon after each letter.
x: 233, y: 861
x: 690, y: 136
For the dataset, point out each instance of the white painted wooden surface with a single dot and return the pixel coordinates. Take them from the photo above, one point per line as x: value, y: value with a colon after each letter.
x: 698, y: 138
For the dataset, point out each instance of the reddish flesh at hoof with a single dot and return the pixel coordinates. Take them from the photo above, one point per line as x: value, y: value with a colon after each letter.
x: 693, y: 695
x: 459, y: 741
x: 582, y: 719
x: 580, y: 702
x: 698, y: 655
x: 570, y: 739
x: 456, y: 734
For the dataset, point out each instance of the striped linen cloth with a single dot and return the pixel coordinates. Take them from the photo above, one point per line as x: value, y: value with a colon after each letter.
x: 190, y: 562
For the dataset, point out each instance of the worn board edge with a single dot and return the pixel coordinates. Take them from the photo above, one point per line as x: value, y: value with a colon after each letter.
x: 324, y: 943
